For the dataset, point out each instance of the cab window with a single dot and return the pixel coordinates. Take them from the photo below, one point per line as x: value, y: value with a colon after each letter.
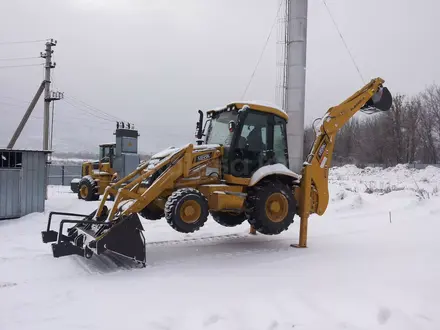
x: 280, y: 142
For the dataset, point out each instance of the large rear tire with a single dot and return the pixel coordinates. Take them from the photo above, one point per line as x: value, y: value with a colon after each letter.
x: 228, y: 219
x: 271, y: 207
x: 186, y: 210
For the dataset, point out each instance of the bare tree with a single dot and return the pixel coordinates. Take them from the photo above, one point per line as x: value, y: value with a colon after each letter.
x: 413, y: 110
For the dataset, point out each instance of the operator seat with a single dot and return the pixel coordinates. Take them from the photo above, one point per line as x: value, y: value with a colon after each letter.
x: 255, y: 140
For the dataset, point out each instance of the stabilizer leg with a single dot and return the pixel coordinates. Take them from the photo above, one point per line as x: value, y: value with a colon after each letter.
x: 252, y: 230
x: 302, y: 233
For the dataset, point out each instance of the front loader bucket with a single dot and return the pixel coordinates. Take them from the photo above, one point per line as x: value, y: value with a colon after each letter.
x: 380, y: 101
x: 122, y: 236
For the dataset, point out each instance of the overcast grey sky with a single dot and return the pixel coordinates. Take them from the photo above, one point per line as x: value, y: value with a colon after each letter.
x: 155, y: 63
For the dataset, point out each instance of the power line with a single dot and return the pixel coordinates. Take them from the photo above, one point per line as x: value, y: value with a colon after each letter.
x: 262, y: 51
x: 22, y: 42
x: 11, y: 104
x: 18, y: 58
x: 92, y: 108
x: 343, y: 40
x: 19, y: 66
x: 83, y: 104
x: 14, y: 99
x: 86, y: 111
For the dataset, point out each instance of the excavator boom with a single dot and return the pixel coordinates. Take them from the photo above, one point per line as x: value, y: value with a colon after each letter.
x: 313, y: 194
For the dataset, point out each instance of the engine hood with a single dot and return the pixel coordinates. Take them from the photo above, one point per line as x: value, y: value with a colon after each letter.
x: 166, y: 152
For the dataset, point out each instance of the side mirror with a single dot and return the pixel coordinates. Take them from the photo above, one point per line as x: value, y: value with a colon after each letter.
x: 231, y: 126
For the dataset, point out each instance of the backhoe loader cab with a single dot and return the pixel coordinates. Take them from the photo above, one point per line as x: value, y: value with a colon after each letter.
x: 252, y: 136
x: 237, y: 172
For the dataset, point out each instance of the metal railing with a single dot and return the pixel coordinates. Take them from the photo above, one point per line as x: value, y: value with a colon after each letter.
x: 63, y: 174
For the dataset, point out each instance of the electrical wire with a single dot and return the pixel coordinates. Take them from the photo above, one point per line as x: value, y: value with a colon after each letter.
x: 86, y: 111
x: 75, y: 101
x: 92, y: 108
x: 19, y: 66
x: 343, y: 40
x: 18, y: 58
x: 262, y: 51
x: 22, y: 42
x: 13, y: 99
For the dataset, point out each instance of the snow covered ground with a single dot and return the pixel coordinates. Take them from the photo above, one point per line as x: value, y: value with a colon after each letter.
x: 360, y: 271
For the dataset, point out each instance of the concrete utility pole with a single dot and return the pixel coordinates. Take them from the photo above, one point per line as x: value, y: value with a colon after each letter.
x: 48, y: 65
x: 26, y: 116
x: 295, y: 78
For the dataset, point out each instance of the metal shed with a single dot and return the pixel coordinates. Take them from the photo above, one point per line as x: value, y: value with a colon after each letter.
x: 22, y: 182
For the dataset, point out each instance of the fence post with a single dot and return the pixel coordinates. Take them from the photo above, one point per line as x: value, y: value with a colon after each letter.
x: 62, y: 175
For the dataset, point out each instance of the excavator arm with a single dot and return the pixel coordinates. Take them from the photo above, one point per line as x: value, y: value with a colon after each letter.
x: 312, y: 194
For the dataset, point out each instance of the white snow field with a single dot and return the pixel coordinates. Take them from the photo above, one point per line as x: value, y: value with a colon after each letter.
x: 359, y: 272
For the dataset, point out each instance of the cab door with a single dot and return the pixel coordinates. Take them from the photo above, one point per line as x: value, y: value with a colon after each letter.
x: 252, y: 144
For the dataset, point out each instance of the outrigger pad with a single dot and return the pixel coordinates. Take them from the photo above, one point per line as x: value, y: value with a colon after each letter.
x: 125, y: 238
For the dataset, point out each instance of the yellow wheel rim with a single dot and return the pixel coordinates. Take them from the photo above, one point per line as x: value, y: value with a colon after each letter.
x: 84, y: 191
x: 190, y: 211
x: 277, y: 207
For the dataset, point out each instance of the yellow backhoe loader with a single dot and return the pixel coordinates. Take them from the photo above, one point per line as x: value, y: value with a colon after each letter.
x: 238, y: 171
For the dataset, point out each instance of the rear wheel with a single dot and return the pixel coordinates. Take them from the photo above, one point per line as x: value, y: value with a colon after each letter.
x: 228, y: 219
x: 87, y: 189
x: 152, y: 212
x: 271, y: 207
x: 186, y: 210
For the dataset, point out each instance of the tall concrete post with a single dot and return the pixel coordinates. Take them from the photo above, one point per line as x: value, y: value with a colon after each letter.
x: 48, y: 66
x: 295, y: 79
x: 47, y: 99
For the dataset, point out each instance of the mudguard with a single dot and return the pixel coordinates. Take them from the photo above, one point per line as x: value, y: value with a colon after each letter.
x: 278, y: 169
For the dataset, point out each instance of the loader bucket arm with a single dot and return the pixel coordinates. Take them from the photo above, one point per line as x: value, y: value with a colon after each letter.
x: 119, y: 230
x: 177, y: 165
x: 312, y: 194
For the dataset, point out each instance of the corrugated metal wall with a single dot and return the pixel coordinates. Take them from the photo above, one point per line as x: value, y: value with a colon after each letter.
x: 33, y: 189
x: 9, y: 193
x: 22, y: 186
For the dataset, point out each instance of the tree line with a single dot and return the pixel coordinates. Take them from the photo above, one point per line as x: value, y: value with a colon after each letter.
x: 409, y: 132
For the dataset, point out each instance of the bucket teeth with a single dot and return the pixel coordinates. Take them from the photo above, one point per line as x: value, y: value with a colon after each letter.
x: 123, y: 236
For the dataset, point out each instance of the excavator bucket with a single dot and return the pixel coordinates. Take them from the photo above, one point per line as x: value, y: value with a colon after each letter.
x: 122, y: 236
x: 380, y: 101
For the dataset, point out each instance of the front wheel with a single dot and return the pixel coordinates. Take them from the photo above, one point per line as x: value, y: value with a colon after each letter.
x: 186, y: 210
x: 87, y: 189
